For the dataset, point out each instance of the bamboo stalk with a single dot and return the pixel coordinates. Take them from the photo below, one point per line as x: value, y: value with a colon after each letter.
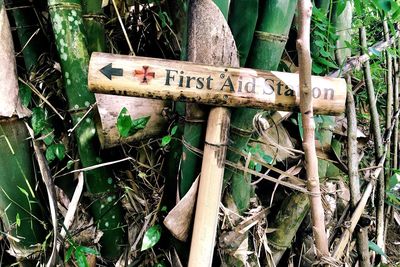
x: 242, y: 20
x: 306, y: 108
x: 206, y: 24
x: 268, y: 44
x: 377, y: 139
x: 353, y: 161
x: 67, y: 23
x: 20, y: 209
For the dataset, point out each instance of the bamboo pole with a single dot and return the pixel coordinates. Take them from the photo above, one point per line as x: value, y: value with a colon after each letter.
x: 20, y: 209
x: 206, y: 24
x: 353, y: 161
x: 66, y: 18
x: 377, y: 139
x: 306, y: 108
x: 381, y: 186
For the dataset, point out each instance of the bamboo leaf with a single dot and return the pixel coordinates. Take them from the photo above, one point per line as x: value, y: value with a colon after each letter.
x: 48, y: 136
x: 80, y: 258
x: 55, y: 150
x: 174, y: 129
x: 151, y: 237
x: 376, y: 248
x: 88, y: 250
x: 138, y: 124
x: 385, y: 5
x: 68, y: 253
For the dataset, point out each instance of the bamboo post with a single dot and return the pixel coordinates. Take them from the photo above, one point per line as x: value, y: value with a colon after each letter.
x: 207, y: 23
x: 306, y: 108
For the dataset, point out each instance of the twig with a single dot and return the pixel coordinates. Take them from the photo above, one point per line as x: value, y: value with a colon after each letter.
x: 344, y: 240
x: 306, y: 107
x: 123, y: 29
x: 41, y: 97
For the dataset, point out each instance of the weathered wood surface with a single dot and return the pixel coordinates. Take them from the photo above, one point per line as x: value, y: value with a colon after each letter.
x: 220, y: 86
x: 109, y: 107
x: 10, y: 103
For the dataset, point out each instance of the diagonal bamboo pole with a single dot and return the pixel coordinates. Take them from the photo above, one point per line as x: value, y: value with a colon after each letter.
x: 306, y: 107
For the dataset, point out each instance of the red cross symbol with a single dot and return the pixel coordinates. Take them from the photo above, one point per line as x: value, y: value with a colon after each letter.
x: 144, y: 75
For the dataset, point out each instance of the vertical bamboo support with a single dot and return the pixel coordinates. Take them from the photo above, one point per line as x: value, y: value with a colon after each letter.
x: 210, y: 41
x: 306, y: 108
x: 66, y: 18
x: 353, y: 160
x: 210, y: 187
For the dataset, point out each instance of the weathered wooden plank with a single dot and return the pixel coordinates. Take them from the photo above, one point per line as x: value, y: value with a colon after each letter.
x: 219, y: 86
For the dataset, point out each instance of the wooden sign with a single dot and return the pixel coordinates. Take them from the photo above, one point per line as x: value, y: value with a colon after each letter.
x: 220, y: 86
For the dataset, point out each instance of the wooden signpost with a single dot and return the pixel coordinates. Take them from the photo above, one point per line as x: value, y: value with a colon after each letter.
x: 218, y: 86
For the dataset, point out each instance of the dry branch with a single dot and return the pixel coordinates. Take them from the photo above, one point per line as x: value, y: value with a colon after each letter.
x: 307, y: 115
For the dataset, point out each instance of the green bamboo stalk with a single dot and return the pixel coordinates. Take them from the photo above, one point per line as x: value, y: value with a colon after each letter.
x: 242, y: 20
x: 223, y: 5
x: 291, y: 214
x: 66, y: 17
x: 268, y: 44
x: 26, y: 23
x: 20, y: 209
x: 275, y: 19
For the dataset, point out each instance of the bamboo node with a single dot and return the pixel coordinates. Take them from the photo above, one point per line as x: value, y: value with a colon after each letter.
x: 73, y: 6
x: 240, y: 131
x: 267, y: 36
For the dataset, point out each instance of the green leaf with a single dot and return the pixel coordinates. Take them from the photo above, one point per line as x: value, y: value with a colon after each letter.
x: 38, y: 119
x: 151, y: 237
x: 376, y: 248
x: 50, y: 155
x: 69, y: 164
x: 166, y: 140
x: 17, y: 220
x: 374, y: 51
x: 174, y: 129
x: 124, y: 122
x: 68, y: 253
x: 59, y: 151
x: 325, y: 62
x: 394, y: 180
x: 25, y: 94
x: 317, y: 69
x: 81, y: 258
x: 357, y: 5
x: 138, y: 124
x: 385, y: 5
x: 88, y: 250
x: 48, y: 134
x: 341, y: 5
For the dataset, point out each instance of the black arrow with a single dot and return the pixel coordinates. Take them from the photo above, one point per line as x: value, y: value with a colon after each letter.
x: 109, y: 71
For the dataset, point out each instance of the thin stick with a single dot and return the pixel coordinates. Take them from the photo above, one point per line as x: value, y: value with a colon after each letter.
x: 123, y: 29
x: 73, y: 205
x: 41, y: 97
x: 306, y: 107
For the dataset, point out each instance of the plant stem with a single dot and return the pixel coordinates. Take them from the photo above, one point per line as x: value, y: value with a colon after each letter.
x: 303, y: 47
x: 353, y: 161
